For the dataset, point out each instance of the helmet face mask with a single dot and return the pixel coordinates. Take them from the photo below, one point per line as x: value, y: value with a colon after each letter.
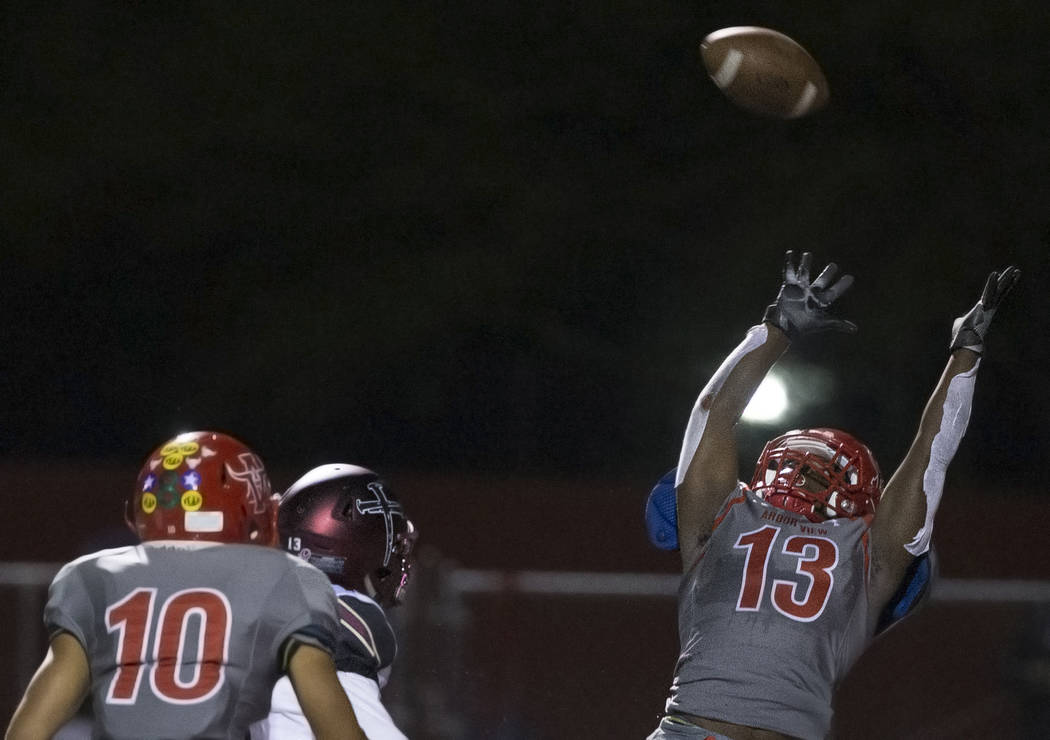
x: 819, y: 474
x: 345, y: 521
x: 387, y: 584
x: 203, y: 486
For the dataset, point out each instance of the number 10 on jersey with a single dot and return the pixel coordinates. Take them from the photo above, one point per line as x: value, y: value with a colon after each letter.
x: 133, y: 619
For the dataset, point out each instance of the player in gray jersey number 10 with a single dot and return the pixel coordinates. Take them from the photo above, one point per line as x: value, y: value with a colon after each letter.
x: 787, y: 579
x: 186, y: 634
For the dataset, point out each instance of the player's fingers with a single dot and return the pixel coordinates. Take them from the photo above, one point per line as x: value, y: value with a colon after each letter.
x: 1007, y: 279
x: 988, y: 294
x: 847, y: 327
x: 826, y: 276
x: 803, y: 266
x: 841, y: 286
x: 789, y: 266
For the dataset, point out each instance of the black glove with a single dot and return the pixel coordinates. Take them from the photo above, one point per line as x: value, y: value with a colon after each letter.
x: 802, y: 307
x: 968, y: 331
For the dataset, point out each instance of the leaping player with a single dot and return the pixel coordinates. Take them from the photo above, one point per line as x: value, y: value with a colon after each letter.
x: 787, y: 580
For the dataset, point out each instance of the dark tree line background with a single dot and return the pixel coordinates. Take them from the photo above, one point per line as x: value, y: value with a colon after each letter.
x: 510, y: 237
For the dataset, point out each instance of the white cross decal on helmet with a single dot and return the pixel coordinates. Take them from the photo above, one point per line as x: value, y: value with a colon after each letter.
x: 387, y: 508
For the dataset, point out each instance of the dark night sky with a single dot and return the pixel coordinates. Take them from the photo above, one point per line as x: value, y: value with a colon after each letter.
x: 503, y: 236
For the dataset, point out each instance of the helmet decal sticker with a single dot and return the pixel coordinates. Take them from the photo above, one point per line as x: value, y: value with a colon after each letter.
x: 176, y: 452
x: 173, y: 455
x: 193, y: 462
x: 327, y: 563
x: 169, y: 490
x: 148, y: 502
x: 385, y: 507
x: 192, y: 500
x: 204, y: 486
x: 253, y: 475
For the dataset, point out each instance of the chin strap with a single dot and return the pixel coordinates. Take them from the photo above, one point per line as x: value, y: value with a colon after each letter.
x: 370, y: 589
x: 694, y: 430
x: 955, y: 416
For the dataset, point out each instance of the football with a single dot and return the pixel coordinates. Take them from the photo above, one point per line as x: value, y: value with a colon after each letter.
x: 764, y: 71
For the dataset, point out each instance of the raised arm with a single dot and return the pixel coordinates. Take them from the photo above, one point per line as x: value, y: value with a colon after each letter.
x: 904, y: 521
x: 707, y: 465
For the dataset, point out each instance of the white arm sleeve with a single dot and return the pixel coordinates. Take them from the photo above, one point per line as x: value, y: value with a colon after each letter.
x: 955, y: 416
x: 694, y: 430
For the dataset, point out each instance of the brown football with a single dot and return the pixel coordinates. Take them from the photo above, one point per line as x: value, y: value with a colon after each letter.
x: 764, y: 71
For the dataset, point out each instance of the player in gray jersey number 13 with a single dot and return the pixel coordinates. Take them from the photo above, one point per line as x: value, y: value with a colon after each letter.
x: 185, y: 635
x: 787, y: 579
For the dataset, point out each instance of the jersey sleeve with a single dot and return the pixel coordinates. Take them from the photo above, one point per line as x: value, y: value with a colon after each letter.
x: 366, y: 641
x: 305, y: 605
x: 737, y: 496
x: 69, y: 606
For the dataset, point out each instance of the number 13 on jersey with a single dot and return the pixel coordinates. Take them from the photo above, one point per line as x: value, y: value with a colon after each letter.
x: 802, y: 600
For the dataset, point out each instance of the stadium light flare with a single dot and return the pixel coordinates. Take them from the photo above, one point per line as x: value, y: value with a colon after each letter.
x: 769, y: 403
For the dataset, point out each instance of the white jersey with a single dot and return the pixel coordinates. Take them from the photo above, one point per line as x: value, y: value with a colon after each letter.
x: 364, y: 652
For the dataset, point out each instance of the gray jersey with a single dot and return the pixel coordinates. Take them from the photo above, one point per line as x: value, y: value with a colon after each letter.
x: 771, y: 617
x: 186, y: 639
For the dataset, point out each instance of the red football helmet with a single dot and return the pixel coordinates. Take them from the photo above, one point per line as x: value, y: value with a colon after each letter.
x: 204, y: 486
x: 344, y: 520
x: 820, y: 474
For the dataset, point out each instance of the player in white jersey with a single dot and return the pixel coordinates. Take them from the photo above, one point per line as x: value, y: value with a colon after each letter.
x: 185, y: 635
x: 787, y: 580
x: 346, y: 521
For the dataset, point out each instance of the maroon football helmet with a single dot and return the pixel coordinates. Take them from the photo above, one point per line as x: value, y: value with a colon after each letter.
x: 820, y: 474
x: 204, y: 486
x: 344, y: 520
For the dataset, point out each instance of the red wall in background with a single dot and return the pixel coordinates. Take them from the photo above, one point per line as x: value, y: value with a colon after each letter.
x: 599, y: 666
x: 485, y: 522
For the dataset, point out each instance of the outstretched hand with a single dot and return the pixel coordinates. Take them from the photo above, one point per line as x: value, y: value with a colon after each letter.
x: 802, y: 306
x: 969, y: 330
